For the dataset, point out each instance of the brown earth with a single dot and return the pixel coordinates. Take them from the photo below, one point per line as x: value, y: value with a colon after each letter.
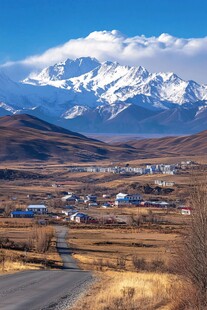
x: 195, y: 144
x: 25, y: 137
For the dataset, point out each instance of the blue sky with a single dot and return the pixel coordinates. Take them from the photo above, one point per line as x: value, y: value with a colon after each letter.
x: 161, y: 35
x: 30, y: 27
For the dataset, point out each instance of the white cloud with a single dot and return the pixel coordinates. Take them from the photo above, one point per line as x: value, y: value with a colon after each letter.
x: 186, y: 57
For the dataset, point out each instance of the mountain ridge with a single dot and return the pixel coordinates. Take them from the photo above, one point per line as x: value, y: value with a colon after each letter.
x: 113, y: 82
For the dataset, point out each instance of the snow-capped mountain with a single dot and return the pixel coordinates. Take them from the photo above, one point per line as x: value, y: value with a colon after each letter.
x: 87, y: 95
x: 88, y: 80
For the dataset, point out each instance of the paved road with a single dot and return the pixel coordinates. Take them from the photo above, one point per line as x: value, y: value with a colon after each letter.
x: 44, y: 289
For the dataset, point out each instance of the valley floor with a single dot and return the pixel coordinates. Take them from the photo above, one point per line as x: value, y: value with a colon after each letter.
x: 131, y: 261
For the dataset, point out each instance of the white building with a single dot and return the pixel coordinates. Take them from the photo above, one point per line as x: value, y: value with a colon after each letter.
x: 164, y: 183
x: 124, y: 199
x: 37, y: 209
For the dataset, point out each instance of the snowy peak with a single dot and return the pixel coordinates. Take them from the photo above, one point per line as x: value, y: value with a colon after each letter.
x: 64, y: 70
x: 75, y: 112
x: 109, y: 112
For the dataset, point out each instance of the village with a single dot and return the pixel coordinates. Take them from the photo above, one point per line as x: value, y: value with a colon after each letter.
x: 74, y: 208
x: 169, y: 169
x: 73, y: 197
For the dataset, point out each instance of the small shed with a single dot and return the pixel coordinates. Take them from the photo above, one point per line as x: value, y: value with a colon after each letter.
x: 81, y: 218
x: 186, y: 211
x: 78, y: 217
x: 90, y: 198
x: 69, y: 197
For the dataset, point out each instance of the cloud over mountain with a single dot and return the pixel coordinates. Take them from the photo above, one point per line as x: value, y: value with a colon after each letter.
x: 185, y: 57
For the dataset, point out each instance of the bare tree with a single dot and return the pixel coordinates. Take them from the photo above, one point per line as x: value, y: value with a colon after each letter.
x: 192, y: 255
x: 8, y: 207
x: 42, y: 237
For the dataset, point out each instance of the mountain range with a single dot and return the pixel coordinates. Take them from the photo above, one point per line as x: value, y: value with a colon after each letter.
x: 86, y: 95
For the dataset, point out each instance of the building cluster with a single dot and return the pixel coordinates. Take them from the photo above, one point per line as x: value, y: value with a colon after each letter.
x: 73, y: 198
x: 147, y: 169
x: 30, y: 211
x: 161, y: 168
x: 75, y: 216
x: 164, y: 183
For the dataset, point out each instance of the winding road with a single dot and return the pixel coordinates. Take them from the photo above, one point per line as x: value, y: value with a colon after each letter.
x: 45, y: 289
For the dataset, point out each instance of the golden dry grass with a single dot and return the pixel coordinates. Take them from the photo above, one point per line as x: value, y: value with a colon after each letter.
x: 12, y: 260
x: 17, y: 261
x: 130, y: 291
x: 10, y: 266
x: 89, y: 246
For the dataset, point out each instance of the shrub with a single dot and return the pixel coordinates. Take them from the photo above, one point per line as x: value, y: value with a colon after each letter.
x: 158, y: 265
x: 121, y: 262
x: 139, y: 263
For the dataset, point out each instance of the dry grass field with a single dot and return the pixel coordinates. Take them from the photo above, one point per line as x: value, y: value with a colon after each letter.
x: 131, y: 291
x: 104, y: 248
x: 19, y: 250
x: 132, y: 264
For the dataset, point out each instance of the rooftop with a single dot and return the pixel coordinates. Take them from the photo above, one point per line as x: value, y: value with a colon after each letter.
x: 22, y: 212
x: 37, y: 207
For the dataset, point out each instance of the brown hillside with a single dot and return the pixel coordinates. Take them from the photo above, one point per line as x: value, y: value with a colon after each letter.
x: 25, y: 137
x: 186, y: 145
